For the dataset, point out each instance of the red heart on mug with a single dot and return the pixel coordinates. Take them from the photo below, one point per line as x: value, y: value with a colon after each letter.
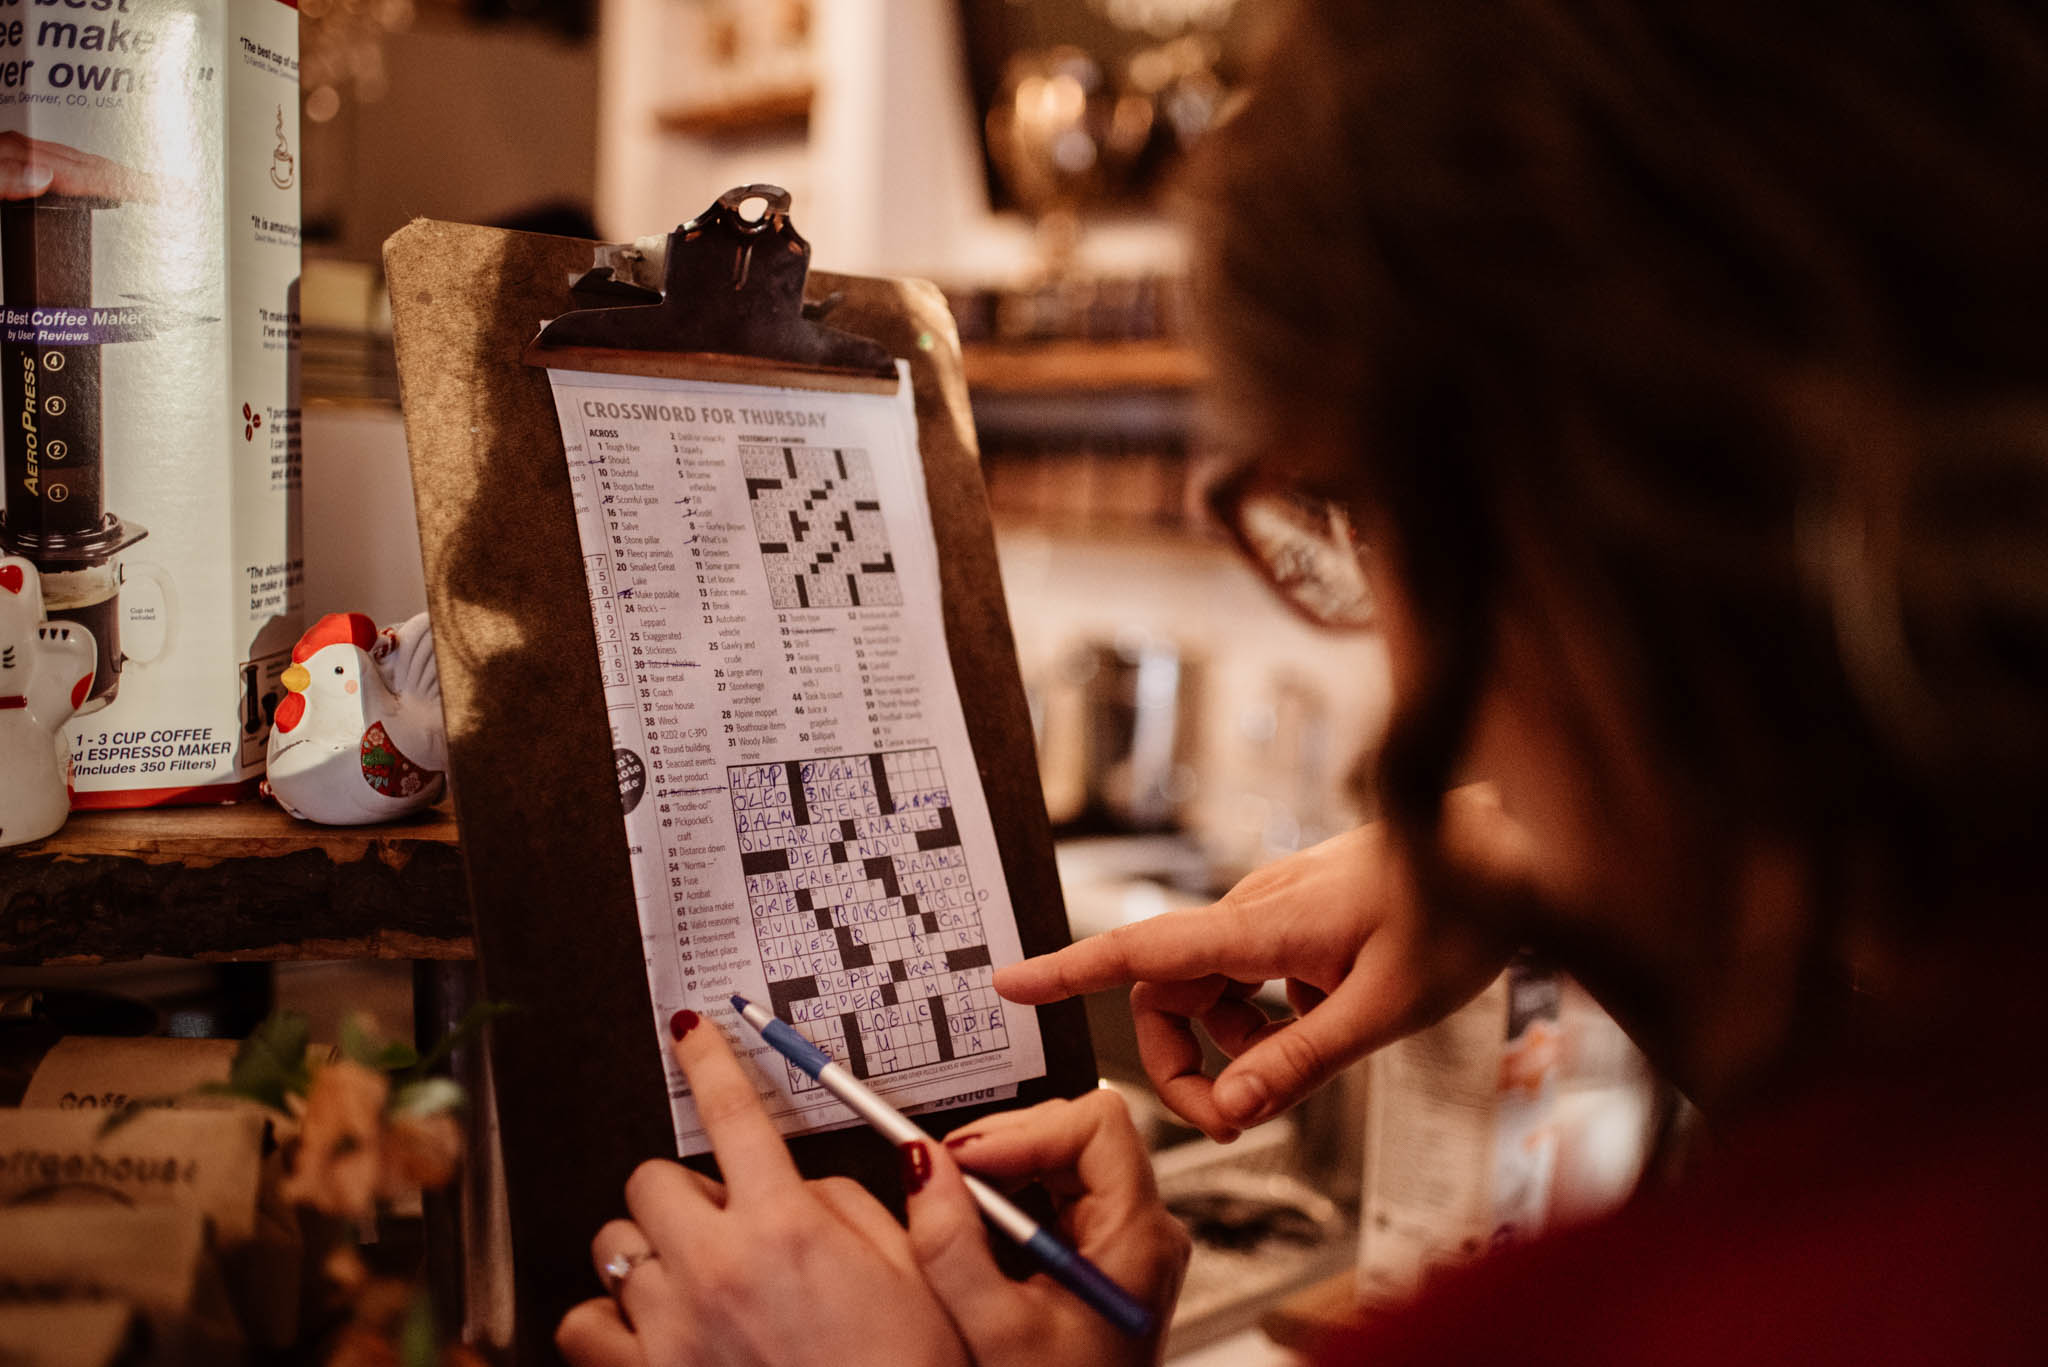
x: 10, y: 578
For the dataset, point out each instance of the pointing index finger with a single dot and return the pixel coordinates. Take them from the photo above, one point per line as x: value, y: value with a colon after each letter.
x: 1170, y: 947
x: 749, y: 1148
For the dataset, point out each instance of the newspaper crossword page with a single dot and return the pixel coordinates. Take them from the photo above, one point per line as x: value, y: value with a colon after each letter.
x: 804, y: 811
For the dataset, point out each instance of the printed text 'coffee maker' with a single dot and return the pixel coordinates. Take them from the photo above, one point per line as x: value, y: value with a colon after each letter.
x: 55, y: 513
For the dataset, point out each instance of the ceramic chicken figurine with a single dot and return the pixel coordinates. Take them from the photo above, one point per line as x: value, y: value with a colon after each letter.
x: 359, y: 736
x: 46, y: 671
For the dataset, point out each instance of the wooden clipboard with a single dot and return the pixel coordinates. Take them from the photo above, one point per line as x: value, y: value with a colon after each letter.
x: 579, y: 1085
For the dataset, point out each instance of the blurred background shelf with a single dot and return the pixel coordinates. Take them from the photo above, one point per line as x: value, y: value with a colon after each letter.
x: 1066, y: 367
x: 244, y: 882
x: 758, y: 114
x: 1035, y: 397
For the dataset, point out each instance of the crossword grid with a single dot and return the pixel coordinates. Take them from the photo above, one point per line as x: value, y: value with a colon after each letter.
x: 818, y: 519
x: 869, y: 928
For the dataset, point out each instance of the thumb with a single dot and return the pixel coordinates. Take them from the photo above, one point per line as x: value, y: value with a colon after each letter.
x: 21, y: 180
x: 1292, y: 1059
x: 951, y: 1248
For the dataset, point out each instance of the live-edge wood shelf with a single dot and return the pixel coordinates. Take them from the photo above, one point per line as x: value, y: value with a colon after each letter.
x: 245, y: 882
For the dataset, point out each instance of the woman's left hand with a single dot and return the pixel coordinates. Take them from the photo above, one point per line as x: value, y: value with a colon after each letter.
x: 767, y: 1268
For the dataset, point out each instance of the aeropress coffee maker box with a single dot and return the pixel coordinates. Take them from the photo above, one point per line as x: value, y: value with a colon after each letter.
x: 149, y: 245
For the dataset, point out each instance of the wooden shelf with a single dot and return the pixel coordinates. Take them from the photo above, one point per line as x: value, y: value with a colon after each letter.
x: 756, y: 115
x: 1080, y: 367
x: 245, y: 882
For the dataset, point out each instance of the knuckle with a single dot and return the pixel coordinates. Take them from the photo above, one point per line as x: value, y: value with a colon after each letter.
x: 1116, y: 948
x: 618, y: 1232
x: 1245, y: 889
x: 839, y: 1188
x: 1299, y: 1060
x: 781, y: 1226
x: 1243, y: 908
x: 1100, y: 1101
x: 1175, y: 1243
x: 717, y: 1106
x: 938, y: 1237
x: 649, y: 1177
x: 1075, y: 965
x: 1236, y: 905
x: 715, y: 1284
x: 582, y: 1325
x: 1103, y: 1107
x: 1010, y: 1335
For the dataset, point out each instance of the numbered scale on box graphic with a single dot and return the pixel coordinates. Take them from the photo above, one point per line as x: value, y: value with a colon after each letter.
x: 867, y: 918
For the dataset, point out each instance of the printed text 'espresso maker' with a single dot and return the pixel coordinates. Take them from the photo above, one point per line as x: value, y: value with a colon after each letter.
x: 55, y: 514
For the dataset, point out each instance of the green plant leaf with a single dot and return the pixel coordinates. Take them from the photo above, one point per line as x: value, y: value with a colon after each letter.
x: 419, y: 1342
x: 396, y: 1056
x: 271, y: 1064
x: 386, y: 1056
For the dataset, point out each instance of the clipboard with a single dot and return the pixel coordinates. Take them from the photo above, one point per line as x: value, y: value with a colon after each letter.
x: 577, y: 1073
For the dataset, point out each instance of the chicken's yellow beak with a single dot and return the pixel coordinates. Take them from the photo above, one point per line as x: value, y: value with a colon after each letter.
x: 297, y: 679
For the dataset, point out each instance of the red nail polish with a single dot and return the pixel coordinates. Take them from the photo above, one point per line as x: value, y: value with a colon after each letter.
x: 682, y: 1023
x: 917, y: 1166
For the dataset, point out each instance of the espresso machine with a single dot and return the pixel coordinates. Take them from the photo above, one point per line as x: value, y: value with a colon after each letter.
x: 55, y: 513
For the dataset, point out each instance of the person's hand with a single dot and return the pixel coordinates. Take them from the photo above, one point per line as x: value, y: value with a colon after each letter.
x: 766, y: 1268
x: 30, y: 167
x: 1365, y: 962
x: 1087, y: 1155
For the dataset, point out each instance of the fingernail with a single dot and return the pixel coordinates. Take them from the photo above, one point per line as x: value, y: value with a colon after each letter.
x: 1243, y: 1097
x: 917, y: 1166
x: 682, y: 1023
x: 960, y: 1141
x: 40, y: 176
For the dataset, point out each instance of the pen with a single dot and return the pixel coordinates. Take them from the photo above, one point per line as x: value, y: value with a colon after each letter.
x: 1073, y: 1271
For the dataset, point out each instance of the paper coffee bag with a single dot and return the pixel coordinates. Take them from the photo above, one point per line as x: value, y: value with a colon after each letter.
x: 156, y: 1259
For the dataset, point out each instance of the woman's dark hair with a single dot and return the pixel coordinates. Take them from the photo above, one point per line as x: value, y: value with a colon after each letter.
x: 1727, y: 314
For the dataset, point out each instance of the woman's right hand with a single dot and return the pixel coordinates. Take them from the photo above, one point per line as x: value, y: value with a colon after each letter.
x: 1088, y: 1156
x: 1365, y: 962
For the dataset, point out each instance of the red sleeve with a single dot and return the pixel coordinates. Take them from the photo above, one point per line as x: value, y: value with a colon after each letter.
x: 1851, y: 1234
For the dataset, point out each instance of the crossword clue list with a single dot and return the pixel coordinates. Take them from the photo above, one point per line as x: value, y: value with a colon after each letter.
x: 783, y: 758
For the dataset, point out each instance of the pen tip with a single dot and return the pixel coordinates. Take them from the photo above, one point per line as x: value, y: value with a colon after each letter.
x: 740, y: 1004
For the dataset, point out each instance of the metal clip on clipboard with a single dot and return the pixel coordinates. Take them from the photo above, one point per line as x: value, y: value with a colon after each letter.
x: 731, y: 309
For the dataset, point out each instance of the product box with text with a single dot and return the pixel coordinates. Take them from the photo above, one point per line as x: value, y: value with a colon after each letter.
x: 149, y: 244
x: 1460, y: 1143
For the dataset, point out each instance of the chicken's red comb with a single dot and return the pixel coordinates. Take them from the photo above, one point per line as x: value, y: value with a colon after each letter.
x: 334, y: 629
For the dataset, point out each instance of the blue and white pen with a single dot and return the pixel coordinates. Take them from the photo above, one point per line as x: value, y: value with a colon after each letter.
x: 1073, y: 1271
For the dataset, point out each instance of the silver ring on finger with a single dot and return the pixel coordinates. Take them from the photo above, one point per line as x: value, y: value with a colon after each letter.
x: 620, y: 1266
